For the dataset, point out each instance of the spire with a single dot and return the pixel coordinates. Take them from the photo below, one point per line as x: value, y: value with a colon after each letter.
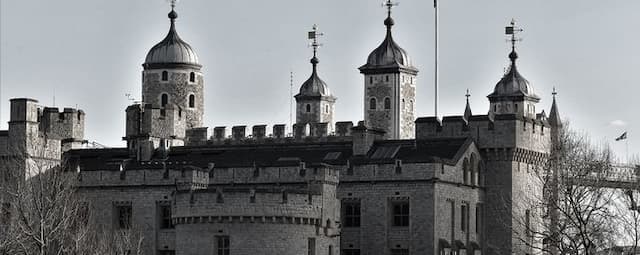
x: 467, y: 109
x: 554, y: 115
x: 172, y: 49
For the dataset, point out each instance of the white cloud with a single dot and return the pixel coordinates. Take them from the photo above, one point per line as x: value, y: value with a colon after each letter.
x: 618, y: 123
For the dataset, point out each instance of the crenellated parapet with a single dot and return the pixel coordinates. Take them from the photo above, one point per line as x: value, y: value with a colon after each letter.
x: 258, y: 134
x: 501, y: 131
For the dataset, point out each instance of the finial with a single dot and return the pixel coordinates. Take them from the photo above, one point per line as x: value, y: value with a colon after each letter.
x: 467, y: 95
x: 512, y: 30
x: 173, y: 14
x: 554, y: 93
x: 313, y: 35
x: 389, y: 21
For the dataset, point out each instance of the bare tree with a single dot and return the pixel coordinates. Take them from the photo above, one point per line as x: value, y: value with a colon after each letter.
x: 574, y: 210
x: 43, y: 215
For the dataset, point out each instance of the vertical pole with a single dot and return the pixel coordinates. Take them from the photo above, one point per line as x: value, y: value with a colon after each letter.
x: 435, y: 6
x: 291, y: 101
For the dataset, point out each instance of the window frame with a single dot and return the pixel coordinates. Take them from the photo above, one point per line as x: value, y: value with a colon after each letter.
x: 124, y: 216
x: 352, y: 213
x: 223, y: 245
x: 164, y: 220
x: 400, y: 213
x: 373, y: 103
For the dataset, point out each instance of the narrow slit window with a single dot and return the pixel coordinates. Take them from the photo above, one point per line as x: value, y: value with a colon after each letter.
x: 164, y: 100
x: 165, y: 75
x: 192, y: 77
x: 192, y: 101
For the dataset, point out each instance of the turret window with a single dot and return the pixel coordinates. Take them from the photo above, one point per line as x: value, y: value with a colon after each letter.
x: 386, y: 78
x: 165, y: 75
x: 164, y: 100
x: 326, y: 109
x: 372, y: 104
x: 192, y: 101
x: 192, y: 77
x: 387, y: 103
x: 308, y: 108
x: 370, y: 79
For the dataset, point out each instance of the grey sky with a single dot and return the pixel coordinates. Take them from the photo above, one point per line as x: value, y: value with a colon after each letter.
x: 90, y: 53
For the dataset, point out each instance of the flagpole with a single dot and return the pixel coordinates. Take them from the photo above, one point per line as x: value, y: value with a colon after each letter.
x: 435, y: 6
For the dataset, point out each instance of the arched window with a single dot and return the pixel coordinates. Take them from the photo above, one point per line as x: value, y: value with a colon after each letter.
x: 387, y: 103
x: 164, y: 100
x: 308, y: 108
x: 465, y: 171
x: 474, y: 169
x: 192, y: 101
x: 192, y: 77
x: 372, y: 103
x: 165, y: 75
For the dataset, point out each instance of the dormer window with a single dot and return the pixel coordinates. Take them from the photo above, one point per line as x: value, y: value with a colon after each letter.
x: 192, y: 77
x: 165, y: 76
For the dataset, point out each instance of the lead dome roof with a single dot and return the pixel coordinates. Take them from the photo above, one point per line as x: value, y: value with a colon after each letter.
x: 172, y: 49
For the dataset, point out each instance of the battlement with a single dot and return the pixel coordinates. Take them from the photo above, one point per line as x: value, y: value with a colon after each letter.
x: 151, y: 121
x: 314, y: 132
x: 506, y: 130
x: 30, y: 120
x: 185, y: 176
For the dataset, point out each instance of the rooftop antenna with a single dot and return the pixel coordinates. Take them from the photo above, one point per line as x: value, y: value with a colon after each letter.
x: 436, y: 57
x: 291, y: 99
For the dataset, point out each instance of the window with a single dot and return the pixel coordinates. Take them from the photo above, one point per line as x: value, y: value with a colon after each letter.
x: 164, y: 100
x: 165, y: 217
x: 123, y: 214
x: 351, y: 214
x: 386, y: 78
x: 372, y: 104
x: 401, y: 214
x: 311, y: 246
x: 222, y: 245
x: 464, y: 217
x: 465, y: 171
x: 192, y: 101
x: 330, y: 250
x: 326, y: 109
x: 387, y: 103
x: 308, y: 108
x: 192, y: 77
x: 165, y: 75
x: 399, y: 251
x: 351, y: 252
x: 370, y: 79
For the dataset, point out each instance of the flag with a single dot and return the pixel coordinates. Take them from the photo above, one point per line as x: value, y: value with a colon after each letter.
x: 622, y: 137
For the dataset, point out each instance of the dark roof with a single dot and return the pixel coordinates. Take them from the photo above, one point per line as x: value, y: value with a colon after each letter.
x: 445, y: 150
x: 389, y: 54
x: 172, y: 49
x: 513, y: 84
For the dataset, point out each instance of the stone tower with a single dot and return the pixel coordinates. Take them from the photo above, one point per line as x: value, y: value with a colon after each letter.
x: 390, y: 88
x: 314, y: 102
x: 172, y: 76
x: 519, y: 146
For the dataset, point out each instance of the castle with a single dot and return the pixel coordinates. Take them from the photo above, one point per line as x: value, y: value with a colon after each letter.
x: 392, y: 184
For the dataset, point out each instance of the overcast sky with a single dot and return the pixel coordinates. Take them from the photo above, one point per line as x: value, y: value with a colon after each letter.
x: 90, y: 54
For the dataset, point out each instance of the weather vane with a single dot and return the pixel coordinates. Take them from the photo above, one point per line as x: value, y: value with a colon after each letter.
x: 468, y: 94
x: 173, y: 3
x: 314, y: 35
x: 554, y: 93
x: 389, y: 4
x: 512, y: 30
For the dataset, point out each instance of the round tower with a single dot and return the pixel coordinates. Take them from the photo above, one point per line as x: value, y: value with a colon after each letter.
x: 314, y: 102
x: 172, y: 75
x: 390, y: 87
